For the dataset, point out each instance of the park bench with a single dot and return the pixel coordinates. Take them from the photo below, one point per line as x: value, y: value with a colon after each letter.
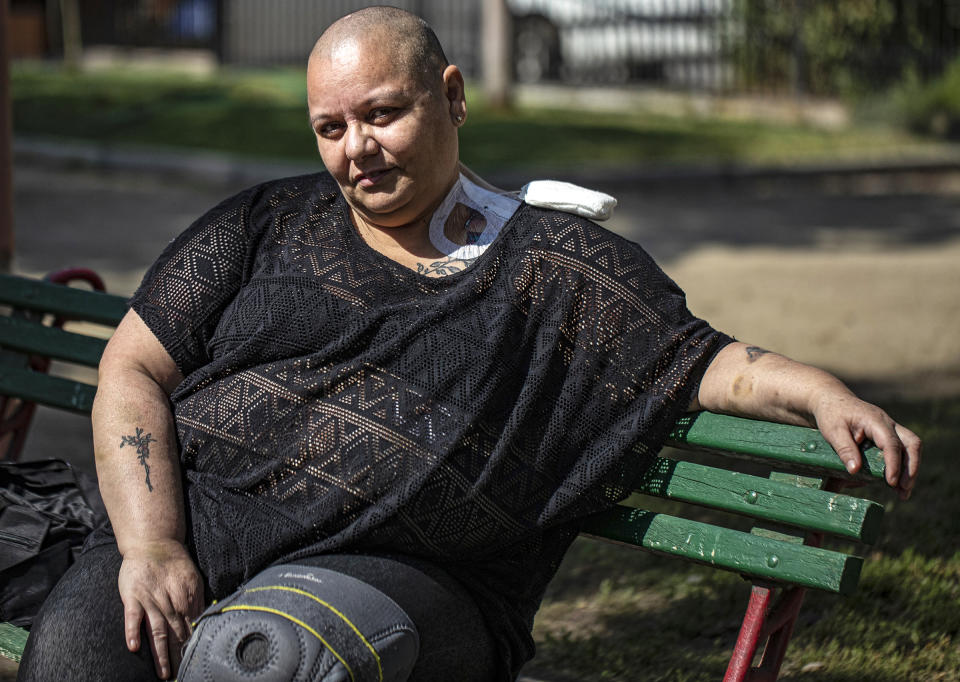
x: 792, y: 504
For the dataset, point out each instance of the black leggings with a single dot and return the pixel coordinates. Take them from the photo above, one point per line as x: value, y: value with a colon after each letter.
x: 79, y: 632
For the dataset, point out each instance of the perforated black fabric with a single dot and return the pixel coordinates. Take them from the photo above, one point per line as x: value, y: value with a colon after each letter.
x: 336, y: 400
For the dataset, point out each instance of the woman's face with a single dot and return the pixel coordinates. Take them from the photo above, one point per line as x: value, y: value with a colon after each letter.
x: 388, y: 140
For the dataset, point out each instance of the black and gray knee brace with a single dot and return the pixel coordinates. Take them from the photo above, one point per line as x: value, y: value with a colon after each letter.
x: 302, y: 623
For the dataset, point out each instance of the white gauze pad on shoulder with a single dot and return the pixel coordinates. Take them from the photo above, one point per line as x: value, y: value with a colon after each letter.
x: 570, y: 198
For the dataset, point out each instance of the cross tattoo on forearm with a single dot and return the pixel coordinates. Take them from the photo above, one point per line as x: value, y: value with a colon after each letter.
x: 142, y: 443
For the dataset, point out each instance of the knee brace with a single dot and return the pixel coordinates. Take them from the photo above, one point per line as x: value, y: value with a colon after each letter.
x: 301, y: 623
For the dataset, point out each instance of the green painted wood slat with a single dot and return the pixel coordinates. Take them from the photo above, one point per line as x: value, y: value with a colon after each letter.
x: 789, y: 534
x: 76, y: 304
x: 728, y: 549
x: 32, y: 337
x: 797, y: 446
x: 763, y: 498
x: 12, y: 641
x: 65, y: 394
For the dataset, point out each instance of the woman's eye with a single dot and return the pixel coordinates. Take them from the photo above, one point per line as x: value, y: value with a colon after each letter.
x: 329, y: 129
x: 381, y: 113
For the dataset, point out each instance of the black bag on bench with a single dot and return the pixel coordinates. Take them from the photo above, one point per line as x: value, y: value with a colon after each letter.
x: 47, y: 509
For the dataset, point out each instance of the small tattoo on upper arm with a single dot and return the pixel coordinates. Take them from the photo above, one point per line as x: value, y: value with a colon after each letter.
x: 754, y: 352
x: 142, y: 444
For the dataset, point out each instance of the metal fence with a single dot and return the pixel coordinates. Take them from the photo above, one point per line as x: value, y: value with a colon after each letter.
x: 283, y: 31
x: 815, y: 46
x: 670, y: 42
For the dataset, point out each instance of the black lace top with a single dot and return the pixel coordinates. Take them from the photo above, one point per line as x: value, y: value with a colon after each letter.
x: 335, y: 400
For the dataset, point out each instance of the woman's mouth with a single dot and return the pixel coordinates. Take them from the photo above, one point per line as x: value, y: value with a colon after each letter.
x: 372, y: 178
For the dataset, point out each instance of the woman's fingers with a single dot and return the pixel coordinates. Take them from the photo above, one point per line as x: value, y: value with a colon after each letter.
x: 132, y: 616
x: 902, y: 451
x: 159, y: 642
x: 165, y: 605
x: 913, y: 453
x: 175, y: 622
x: 884, y: 436
x: 186, y: 597
x: 845, y: 429
x: 840, y: 436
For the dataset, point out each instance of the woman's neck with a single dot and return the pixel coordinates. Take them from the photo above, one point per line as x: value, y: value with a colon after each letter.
x: 447, y: 240
x: 398, y: 242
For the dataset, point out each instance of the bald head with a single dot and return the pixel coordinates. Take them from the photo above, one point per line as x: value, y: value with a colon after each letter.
x: 404, y: 38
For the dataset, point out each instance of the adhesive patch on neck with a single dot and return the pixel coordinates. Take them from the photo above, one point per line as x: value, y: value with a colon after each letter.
x: 469, y: 219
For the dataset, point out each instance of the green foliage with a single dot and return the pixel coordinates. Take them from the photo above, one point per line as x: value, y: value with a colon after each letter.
x: 259, y: 113
x: 831, y: 48
x: 932, y: 108
x: 843, y: 40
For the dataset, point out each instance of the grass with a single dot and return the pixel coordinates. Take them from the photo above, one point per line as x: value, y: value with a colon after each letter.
x: 614, y: 613
x: 257, y: 114
x: 263, y: 114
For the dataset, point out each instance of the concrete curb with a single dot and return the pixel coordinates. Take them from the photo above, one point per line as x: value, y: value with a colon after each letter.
x: 225, y: 169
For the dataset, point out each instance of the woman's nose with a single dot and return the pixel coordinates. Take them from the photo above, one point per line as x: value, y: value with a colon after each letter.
x: 360, y: 142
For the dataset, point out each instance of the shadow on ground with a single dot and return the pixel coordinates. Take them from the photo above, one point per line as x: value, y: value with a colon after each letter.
x: 671, y: 223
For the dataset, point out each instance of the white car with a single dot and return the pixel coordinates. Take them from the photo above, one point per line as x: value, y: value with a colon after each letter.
x: 676, y: 41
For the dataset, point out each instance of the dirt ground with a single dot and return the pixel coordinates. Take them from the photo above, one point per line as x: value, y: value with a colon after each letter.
x: 886, y: 320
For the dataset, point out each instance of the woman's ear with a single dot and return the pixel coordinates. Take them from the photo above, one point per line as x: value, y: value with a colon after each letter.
x: 453, y: 90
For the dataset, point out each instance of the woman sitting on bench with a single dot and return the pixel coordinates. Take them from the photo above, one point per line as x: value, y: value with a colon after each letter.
x: 380, y: 398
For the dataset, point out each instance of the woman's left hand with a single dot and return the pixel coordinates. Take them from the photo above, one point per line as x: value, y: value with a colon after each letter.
x: 846, y: 422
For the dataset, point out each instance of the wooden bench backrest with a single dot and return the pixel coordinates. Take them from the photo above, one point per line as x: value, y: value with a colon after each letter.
x: 787, y: 505
x: 26, y: 330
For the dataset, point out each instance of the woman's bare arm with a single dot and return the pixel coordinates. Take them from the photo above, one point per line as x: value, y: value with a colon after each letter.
x: 138, y: 470
x: 749, y: 381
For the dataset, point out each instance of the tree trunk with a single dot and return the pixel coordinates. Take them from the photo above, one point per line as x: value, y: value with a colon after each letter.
x: 6, y: 155
x: 72, y: 41
x: 496, y: 37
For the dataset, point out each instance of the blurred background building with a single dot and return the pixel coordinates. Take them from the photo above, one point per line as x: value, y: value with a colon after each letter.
x: 818, y: 47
